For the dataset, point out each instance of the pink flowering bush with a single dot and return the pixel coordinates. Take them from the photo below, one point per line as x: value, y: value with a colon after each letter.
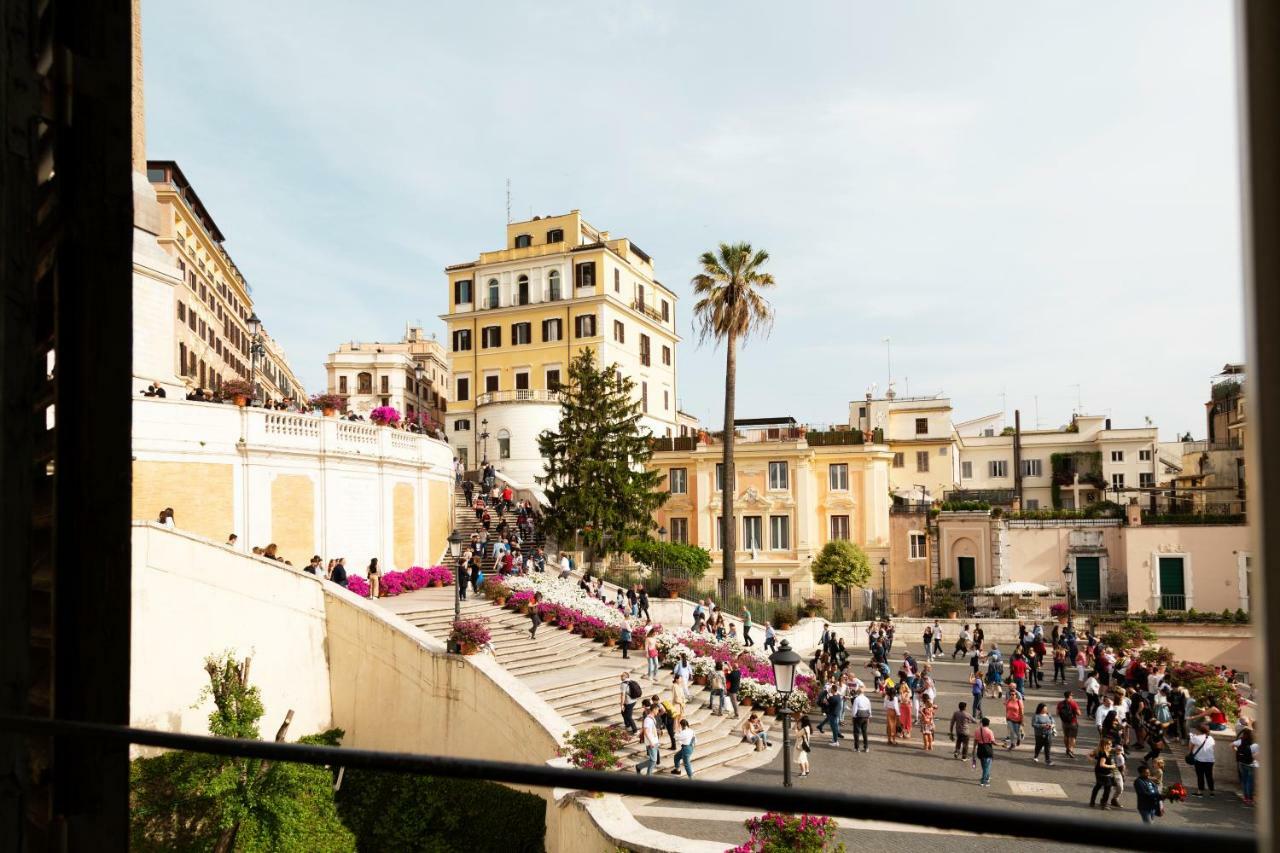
x: 471, y: 633
x: 393, y: 583
x: 1058, y: 609
x: 775, y: 832
x: 595, y: 747
x: 358, y: 585
x: 385, y: 415
x: 436, y: 574
x: 520, y: 599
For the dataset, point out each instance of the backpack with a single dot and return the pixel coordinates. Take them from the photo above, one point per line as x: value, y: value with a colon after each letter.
x: 824, y: 699
x: 634, y: 690
x: 1163, y: 714
x: 1066, y: 713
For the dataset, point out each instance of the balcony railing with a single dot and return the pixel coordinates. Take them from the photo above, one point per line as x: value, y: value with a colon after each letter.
x: 1173, y: 602
x: 520, y: 395
x: 647, y: 310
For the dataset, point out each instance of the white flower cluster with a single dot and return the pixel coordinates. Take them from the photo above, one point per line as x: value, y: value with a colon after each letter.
x: 566, y: 593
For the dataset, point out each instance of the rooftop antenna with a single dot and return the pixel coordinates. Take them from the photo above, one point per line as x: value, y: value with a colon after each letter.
x: 1079, y: 404
x: 1037, y: 399
x: 1004, y: 402
x: 508, y: 201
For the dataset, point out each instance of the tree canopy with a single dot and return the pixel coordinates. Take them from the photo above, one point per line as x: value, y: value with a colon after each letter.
x: 842, y: 564
x: 597, y: 481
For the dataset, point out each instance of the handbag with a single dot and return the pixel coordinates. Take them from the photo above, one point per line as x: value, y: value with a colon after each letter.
x: 1191, y: 756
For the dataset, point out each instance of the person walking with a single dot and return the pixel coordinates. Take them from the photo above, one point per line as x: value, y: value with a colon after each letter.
x: 1069, y: 714
x: 625, y: 639
x: 976, y: 689
x: 1102, y: 773
x: 650, y: 737
x: 682, y: 676
x: 1117, y: 775
x: 631, y: 691
x: 804, y: 737
x: 732, y: 681
x: 926, y: 724
x: 642, y: 603
x: 535, y: 615
x: 685, y: 740
x: 928, y: 642
x: 891, y: 707
x: 861, y: 718
x: 1013, y: 718
x: 1042, y: 726
x: 937, y: 640
x: 1200, y: 753
x: 959, y: 730
x: 984, y: 746
x: 904, y: 708
x: 651, y: 654
x: 746, y: 628
x: 468, y: 489
x: 1246, y: 762
x: 716, y: 682
x: 770, y: 638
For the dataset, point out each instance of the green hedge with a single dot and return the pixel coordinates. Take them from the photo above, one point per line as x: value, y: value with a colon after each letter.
x: 393, y: 812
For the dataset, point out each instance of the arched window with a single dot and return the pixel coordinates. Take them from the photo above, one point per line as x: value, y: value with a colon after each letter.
x: 555, y: 235
x: 504, y: 444
x: 524, y: 241
x: 522, y: 290
x: 493, y: 293
x: 364, y: 383
x: 553, y: 278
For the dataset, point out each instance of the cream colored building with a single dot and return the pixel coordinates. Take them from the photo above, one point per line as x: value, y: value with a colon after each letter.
x: 518, y: 315
x: 411, y: 374
x: 919, y: 433
x: 206, y: 299
x: 274, y: 375
x: 796, y: 490
x: 1099, y: 462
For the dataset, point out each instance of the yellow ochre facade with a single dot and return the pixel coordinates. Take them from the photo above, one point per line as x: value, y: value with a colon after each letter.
x: 517, y: 317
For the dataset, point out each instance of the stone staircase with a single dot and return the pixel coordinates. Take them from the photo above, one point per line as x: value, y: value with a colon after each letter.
x: 466, y: 524
x: 580, y: 679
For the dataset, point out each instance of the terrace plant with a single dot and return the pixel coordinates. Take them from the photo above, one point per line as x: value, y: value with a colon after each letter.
x: 595, y: 747
x: 328, y: 402
x: 776, y: 832
x: 469, y: 634
x: 236, y: 389
x: 385, y: 415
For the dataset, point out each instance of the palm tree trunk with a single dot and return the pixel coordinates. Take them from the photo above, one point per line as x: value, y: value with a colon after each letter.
x: 729, y: 530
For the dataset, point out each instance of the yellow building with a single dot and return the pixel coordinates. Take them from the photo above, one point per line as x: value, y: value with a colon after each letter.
x: 517, y: 317
x: 920, y: 435
x: 796, y: 490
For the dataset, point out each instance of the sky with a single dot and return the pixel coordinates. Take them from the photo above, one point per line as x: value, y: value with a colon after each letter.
x: 1036, y: 203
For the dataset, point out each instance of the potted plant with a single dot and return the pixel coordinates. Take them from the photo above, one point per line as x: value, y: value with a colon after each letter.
x: 469, y: 634
x: 783, y: 617
x: 813, y: 607
x: 496, y: 590
x: 385, y: 416
x: 239, y: 390
x: 1059, y: 611
x: 611, y: 636
x: 798, y: 833
x: 328, y: 404
x: 674, y: 586
x: 595, y: 747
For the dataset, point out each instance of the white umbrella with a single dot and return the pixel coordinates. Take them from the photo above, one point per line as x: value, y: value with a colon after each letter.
x: 1018, y: 588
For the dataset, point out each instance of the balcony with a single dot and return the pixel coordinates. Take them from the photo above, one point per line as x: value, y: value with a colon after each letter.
x: 1173, y: 602
x: 646, y: 310
x: 520, y: 395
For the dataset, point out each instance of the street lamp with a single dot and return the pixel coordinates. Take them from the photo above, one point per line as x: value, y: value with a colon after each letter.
x: 785, y: 661
x: 484, y: 438
x: 256, y: 351
x: 884, y: 587
x: 1067, y: 572
x: 417, y: 389
x: 455, y: 541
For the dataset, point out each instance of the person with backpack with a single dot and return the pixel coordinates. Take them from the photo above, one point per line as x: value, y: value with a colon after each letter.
x: 631, y: 691
x: 1246, y: 762
x: 1069, y: 714
x: 716, y: 682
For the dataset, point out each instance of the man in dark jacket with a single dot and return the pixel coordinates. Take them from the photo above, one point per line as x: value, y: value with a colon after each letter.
x: 733, y: 680
x: 339, y: 575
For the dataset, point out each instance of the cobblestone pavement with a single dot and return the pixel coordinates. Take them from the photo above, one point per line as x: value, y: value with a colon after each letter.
x: 909, y: 772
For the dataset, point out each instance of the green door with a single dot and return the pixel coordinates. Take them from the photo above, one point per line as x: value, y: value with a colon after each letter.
x: 1088, y: 579
x: 968, y: 573
x: 1173, y: 589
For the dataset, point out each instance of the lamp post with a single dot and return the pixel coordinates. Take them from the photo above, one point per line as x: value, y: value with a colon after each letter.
x: 1067, y: 572
x: 256, y: 351
x: 455, y: 551
x: 884, y: 587
x: 484, y: 439
x: 417, y: 389
x: 785, y: 661
x: 662, y: 569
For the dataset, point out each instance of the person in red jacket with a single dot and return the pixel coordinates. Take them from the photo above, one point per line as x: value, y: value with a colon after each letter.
x: 1018, y: 672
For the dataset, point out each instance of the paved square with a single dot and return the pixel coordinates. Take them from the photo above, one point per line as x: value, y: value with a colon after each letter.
x: 1038, y: 789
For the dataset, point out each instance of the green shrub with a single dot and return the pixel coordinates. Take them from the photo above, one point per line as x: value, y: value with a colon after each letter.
x: 1129, y: 634
x: 672, y: 558
x: 1241, y: 616
x: 392, y: 811
x: 784, y: 615
x: 813, y: 607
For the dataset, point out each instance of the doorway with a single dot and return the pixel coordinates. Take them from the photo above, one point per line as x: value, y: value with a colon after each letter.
x: 1088, y: 579
x: 967, y: 572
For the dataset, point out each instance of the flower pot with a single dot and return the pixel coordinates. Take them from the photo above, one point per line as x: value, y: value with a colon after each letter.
x: 671, y: 593
x: 953, y: 615
x: 785, y: 626
x: 500, y: 601
x: 610, y: 642
x: 328, y: 413
x: 745, y: 702
x: 700, y: 679
x: 524, y: 609
x: 469, y: 648
x: 435, y: 584
x: 568, y: 626
x: 241, y: 400
x: 770, y: 711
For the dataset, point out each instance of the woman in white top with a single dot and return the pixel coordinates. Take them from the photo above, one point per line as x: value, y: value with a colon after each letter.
x: 1200, y: 751
x: 683, y: 675
x: 891, y: 715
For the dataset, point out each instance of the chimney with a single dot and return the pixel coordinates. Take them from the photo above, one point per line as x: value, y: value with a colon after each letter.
x: 1108, y: 423
x: 1017, y: 456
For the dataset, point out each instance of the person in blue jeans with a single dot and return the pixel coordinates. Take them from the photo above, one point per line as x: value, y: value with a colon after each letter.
x: 976, y: 688
x: 835, y: 710
x: 984, y: 749
x: 686, y: 739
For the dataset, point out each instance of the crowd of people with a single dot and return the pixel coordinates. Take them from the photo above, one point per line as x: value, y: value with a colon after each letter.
x: 1131, y: 704
x: 507, y: 541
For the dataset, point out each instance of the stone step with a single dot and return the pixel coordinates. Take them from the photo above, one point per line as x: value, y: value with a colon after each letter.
x: 554, y: 664
x: 566, y: 693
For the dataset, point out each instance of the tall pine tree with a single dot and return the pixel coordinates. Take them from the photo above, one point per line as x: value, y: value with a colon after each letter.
x: 597, y: 480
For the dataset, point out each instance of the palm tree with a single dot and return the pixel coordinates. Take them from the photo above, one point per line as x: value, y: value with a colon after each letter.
x: 730, y: 308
